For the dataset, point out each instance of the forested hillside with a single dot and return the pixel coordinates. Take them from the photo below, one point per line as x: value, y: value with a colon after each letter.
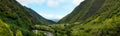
x: 19, y: 18
x: 82, y: 12
x: 95, y: 18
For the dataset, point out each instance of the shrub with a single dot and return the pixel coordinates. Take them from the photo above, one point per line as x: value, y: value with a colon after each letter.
x: 5, y: 30
x: 19, y: 33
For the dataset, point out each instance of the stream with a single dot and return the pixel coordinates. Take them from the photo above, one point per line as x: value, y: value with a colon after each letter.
x: 45, y: 32
x: 48, y: 33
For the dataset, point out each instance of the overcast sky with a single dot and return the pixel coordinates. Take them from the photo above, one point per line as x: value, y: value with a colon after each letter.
x: 51, y: 9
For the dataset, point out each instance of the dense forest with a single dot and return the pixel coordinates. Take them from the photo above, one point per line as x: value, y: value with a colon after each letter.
x: 90, y: 18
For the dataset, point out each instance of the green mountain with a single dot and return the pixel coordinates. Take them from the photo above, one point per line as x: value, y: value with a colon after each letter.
x: 94, y: 18
x: 91, y: 9
x: 19, y: 18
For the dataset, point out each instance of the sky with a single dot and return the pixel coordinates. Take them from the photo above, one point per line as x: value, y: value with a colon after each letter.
x: 51, y: 9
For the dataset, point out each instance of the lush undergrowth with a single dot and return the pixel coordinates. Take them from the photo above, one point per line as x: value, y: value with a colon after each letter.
x: 5, y: 29
x: 109, y: 27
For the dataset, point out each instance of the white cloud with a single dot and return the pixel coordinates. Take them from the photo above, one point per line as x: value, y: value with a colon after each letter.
x: 61, y: 0
x: 77, y: 2
x: 50, y: 3
x: 26, y: 2
x: 54, y: 3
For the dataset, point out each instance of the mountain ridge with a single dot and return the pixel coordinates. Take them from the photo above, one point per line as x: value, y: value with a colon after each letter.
x: 84, y: 10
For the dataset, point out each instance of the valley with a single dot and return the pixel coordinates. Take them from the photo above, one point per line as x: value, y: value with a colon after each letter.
x: 90, y: 18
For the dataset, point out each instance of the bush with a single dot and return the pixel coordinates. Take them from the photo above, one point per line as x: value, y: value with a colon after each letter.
x: 19, y: 33
x: 5, y: 30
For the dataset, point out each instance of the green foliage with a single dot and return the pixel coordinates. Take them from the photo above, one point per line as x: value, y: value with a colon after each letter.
x: 19, y: 33
x: 40, y: 33
x: 44, y: 28
x: 5, y: 30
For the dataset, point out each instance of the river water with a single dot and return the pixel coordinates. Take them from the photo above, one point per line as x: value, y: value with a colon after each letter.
x: 45, y: 32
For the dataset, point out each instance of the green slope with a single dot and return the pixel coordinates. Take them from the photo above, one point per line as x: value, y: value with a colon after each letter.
x: 82, y: 12
x: 94, y: 18
x: 20, y: 18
